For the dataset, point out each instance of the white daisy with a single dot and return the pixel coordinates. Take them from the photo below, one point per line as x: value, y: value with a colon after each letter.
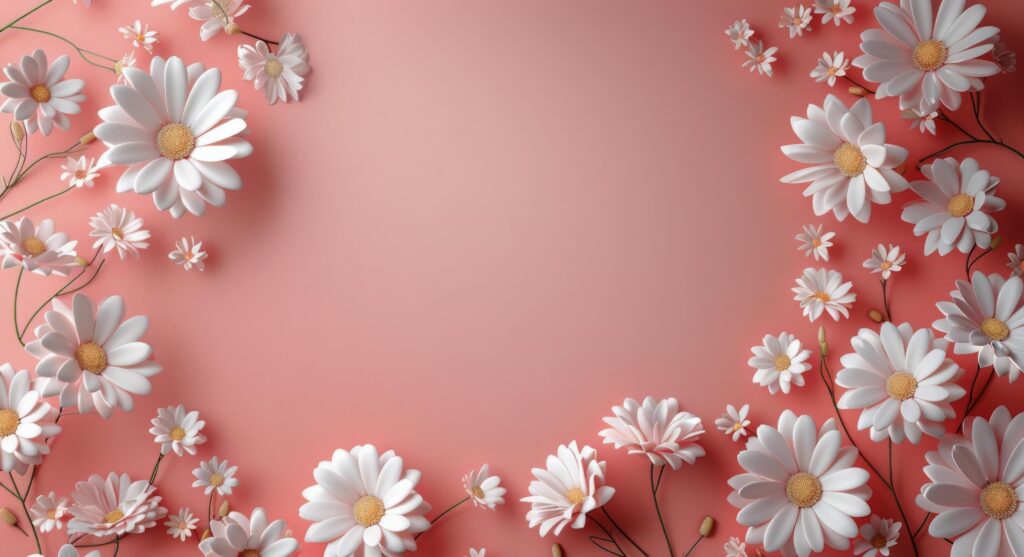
x: 277, y: 74
x: 780, y: 363
x: 796, y: 19
x: 216, y: 15
x: 140, y: 35
x: 215, y: 475
x: 126, y: 61
x: 477, y: 552
x: 1004, y: 57
x: 735, y: 548
x: 925, y: 64
x: 114, y: 506
x: 760, y: 59
x: 956, y: 202
x: 836, y: 11
x: 986, y: 317
x: 886, y: 260
x: 877, y: 537
x: 118, y: 227
x: 238, y: 535
x: 177, y: 430
x: 823, y: 290
x: 924, y: 122
x: 815, y: 242
x: 975, y: 488
x: 48, y: 512
x: 39, y: 249
x: 38, y: 95
x: 181, y: 525
x: 26, y: 421
x: 903, y: 381
x: 566, y: 489
x: 657, y: 429
x: 1016, y: 260
x: 800, y: 490
x: 188, y: 253
x: 734, y: 422
x: 79, y: 172
x: 484, y: 489
x: 830, y: 67
x: 852, y: 165
x: 176, y: 136
x: 366, y: 500
x: 739, y: 33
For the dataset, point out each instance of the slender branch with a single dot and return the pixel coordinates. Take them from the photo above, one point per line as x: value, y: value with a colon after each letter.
x: 259, y: 38
x: 623, y: 532
x: 24, y: 15
x: 444, y: 512
x: 657, y: 509
x: 694, y: 546
x: 976, y: 106
x: 657, y: 484
x: 17, y: 289
x: 858, y: 84
x: 156, y: 468
x: 24, y: 507
x: 611, y: 538
x: 923, y: 522
x: 885, y: 300
x: 81, y: 51
x: 899, y: 506
x: 63, y: 290
x: 43, y: 200
x: 969, y: 142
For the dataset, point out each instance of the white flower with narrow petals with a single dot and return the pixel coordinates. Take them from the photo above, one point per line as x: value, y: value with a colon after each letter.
x: 48, y: 512
x: 484, y: 489
x: 140, y: 35
x: 830, y: 67
x: 215, y: 475
x: 657, y: 429
x: 277, y: 74
x: 739, y: 33
x: 26, y: 420
x: 216, y: 15
x: 923, y: 121
x: 118, y: 228
x: 877, y: 537
x: 177, y: 430
x: 796, y: 19
x: 114, y: 506
x: 886, y: 261
x: 238, y: 535
x: 1016, y: 260
x: 188, y: 253
x: 780, y: 363
x: 823, y: 290
x: 566, y: 489
x: 79, y: 172
x: 759, y: 59
x: 38, y: 95
x: 836, y: 11
x: 181, y: 525
x: 126, y: 61
x: 734, y: 422
x: 735, y: 548
x: 38, y: 249
x: 815, y: 242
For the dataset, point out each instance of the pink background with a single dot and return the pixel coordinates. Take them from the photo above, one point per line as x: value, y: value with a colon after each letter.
x: 484, y: 225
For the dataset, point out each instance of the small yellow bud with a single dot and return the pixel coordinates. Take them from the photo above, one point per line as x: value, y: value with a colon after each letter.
x: 81, y: 261
x: 118, y: 67
x: 876, y: 316
x: 859, y: 91
x: 87, y: 138
x: 821, y: 335
x: 232, y: 28
x: 206, y: 534
x: 996, y: 242
x: 224, y: 509
x: 17, y: 132
x: 8, y: 517
x: 556, y: 551
x: 707, y: 525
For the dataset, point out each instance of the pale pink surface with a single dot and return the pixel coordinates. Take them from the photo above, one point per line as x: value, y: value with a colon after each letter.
x: 483, y: 226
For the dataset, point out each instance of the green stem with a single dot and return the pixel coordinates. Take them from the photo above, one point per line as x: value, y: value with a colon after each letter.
x: 24, y: 15
x: 63, y: 290
x: 17, y: 289
x: 657, y: 509
x: 444, y: 512
x: 81, y: 51
x: 24, y: 507
x: 610, y: 537
x: 43, y: 200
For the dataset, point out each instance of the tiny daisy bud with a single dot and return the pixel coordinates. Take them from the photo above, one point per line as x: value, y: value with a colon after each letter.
x: 859, y: 91
x: 232, y: 28
x: 118, y: 67
x: 556, y: 551
x: 81, y: 261
x: 17, y: 132
x: 224, y: 509
x: 206, y: 534
x: 875, y: 316
x: 8, y: 517
x: 707, y: 525
x: 996, y: 242
x: 87, y: 138
x: 821, y: 336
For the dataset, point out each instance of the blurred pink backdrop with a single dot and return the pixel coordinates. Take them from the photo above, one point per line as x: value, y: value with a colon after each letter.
x: 484, y: 225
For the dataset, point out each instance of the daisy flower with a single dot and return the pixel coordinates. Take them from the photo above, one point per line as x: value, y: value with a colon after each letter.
x: 363, y: 499
x: 1004, y: 57
x: 735, y: 548
x: 566, y: 489
x: 851, y: 164
x: 181, y: 525
x: 836, y: 11
x: 217, y: 15
x: 140, y: 35
x: 739, y: 33
x: 903, y: 381
x: 657, y: 429
x: 26, y: 421
x: 188, y: 253
x: 815, y: 242
x: 877, y: 537
x: 237, y: 535
x: 79, y: 172
x: 177, y: 430
x: 760, y: 59
x: 796, y: 19
x: 38, y: 249
x: 1016, y: 257
x: 484, y: 489
x: 126, y: 61
x: 925, y: 64
x: 215, y: 475
x: 477, y: 552
x: 975, y: 487
x: 986, y: 317
x: 830, y: 67
x: 796, y: 474
x: 823, y: 290
x: 278, y: 75
x: 924, y: 122
x: 93, y: 358
x: 48, y: 512
x: 734, y: 422
x: 117, y: 227
x: 886, y: 261
x: 780, y: 363
x: 174, y: 137
x: 114, y: 506
x: 38, y: 95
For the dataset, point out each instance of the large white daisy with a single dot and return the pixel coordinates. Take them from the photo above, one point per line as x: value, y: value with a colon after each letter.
x: 238, y: 535
x: 566, y: 489
x: 823, y: 290
x: 780, y: 363
x: 657, y: 429
x: 26, y: 421
x: 38, y: 95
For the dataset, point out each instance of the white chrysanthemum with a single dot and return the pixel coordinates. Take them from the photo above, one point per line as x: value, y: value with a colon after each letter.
x: 188, y: 253
x: 923, y: 121
x: 986, y: 317
x: 237, y: 535
x: 823, y: 290
x: 216, y: 15
x: 657, y: 429
x: 48, y: 512
x: 735, y: 548
x: 734, y: 422
x: 175, y: 132
x: 903, y: 381
x: 126, y: 61
x: 177, y: 430
x: 114, y: 506
x: 215, y: 475
x: 79, y: 172
x: 277, y: 74
x: 923, y: 60
x: 484, y: 489
x: 877, y: 537
x: 26, y: 421
x: 93, y: 357
x: 886, y: 261
x: 976, y: 485
x: 830, y: 67
x: 799, y: 491
x: 852, y: 165
x: 815, y: 242
x: 363, y: 499
x: 38, y: 95
x: 759, y: 59
x: 836, y: 11
x: 181, y: 525
x: 780, y: 363
x: 118, y: 227
x: 1016, y: 260
x: 569, y: 486
x: 956, y: 202
x: 139, y: 35
x: 739, y: 33
x: 796, y: 19
x: 39, y: 249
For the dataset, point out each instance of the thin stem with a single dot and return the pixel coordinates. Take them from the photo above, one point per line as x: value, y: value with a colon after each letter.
x: 117, y: 546
x: 945, y: 118
x: 967, y: 263
x: 43, y: 200
x: 923, y: 522
x: 24, y: 15
x: 259, y: 38
x: 24, y: 507
x: 657, y: 509
x: 981, y: 393
x: 623, y: 532
x: 657, y: 484
x: 970, y: 395
x: 976, y: 106
x: 885, y: 300
x: 858, y: 84
x: 971, y: 264
x: 81, y: 51
x: 969, y: 142
x: 899, y: 506
x: 209, y: 507
x: 63, y: 290
x: 611, y: 538
x: 74, y: 148
x: 444, y: 512
x: 156, y: 468
x: 17, y: 289
x: 694, y: 546
x: 114, y: 541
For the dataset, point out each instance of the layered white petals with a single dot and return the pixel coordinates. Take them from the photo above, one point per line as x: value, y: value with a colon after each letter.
x: 566, y: 489
x: 656, y: 429
x: 780, y: 363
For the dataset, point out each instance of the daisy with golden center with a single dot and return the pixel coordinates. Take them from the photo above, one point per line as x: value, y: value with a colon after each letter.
x: 822, y: 291
x: 118, y: 228
x: 780, y: 362
x: 877, y: 536
x: 279, y: 75
x: 26, y: 421
x: 886, y: 261
x: 114, y: 506
x: 734, y: 422
x: 38, y: 95
x: 79, y: 172
x: 238, y: 535
x: 39, y: 249
x: 656, y: 429
x: 177, y: 430
x: 483, y: 488
x: 783, y: 486
x: 48, y: 512
x: 569, y: 486
x: 215, y: 475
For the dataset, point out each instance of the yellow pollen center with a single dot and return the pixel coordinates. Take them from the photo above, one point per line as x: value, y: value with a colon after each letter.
x: 177, y: 434
x: 175, y: 141
x: 849, y: 160
x: 816, y: 243
x: 477, y: 492
x: 999, y: 500
x: 736, y: 427
x: 575, y: 495
x: 80, y: 174
x: 117, y: 233
x: 368, y: 511
x: 803, y: 490
x: 40, y: 93
x: 782, y: 362
x: 216, y: 480
x: 34, y: 246
x: 249, y: 553
x: 760, y: 58
x: 822, y: 297
x: 274, y: 68
x: 91, y: 357
x: 886, y: 265
x: 879, y: 541
x: 836, y: 8
x: 995, y: 329
x: 930, y: 55
x: 140, y: 37
x: 960, y: 205
x: 51, y: 514
x: 901, y: 385
x: 832, y: 70
x: 113, y: 516
x: 9, y: 422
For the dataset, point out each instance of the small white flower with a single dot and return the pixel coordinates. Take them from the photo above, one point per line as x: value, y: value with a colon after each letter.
x: 277, y: 74
x: 734, y: 422
x: 815, y: 242
x: 1005, y: 58
x: 830, y: 67
x: 877, y: 537
x: 837, y: 11
x: 569, y: 486
x: 238, y: 535
x: 923, y: 121
x: 484, y: 489
x: 657, y: 429
x: 215, y: 15
x: 1016, y: 263
x: 760, y: 59
x: 38, y: 95
x: 477, y: 552
x: 48, y: 512
x: 79, y: 172
x: 780, y: 362
x: 39, y: 249
x: 118, y: 228
x: 823, y: 290
x: 126, y: 61
x: 140, y: 35
x: 215, y: 474
x: 886, y: 261
x: 188, y: 253
x: 177, y: 430
x: 739, y: 33
x: 181, y: 525
x: 796, y: 19
x: 735, y: 548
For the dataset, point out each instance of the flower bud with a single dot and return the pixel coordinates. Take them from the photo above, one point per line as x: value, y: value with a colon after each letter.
x: 859, y: 91
x: 17, y: 132
x: 875, y: 316
x: 81, y: 261
x: 206, y: 534
x: 821, y: 335
x: 707, y: 525
x: 87, y: 138
x: 224, y: 509
x: 996, y: 242
x: 8, y: 517
x: 232, y: 28
x: 118, y: 67
x: 556, y: 551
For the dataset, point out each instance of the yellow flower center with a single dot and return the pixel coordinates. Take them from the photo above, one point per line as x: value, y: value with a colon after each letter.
x: 113, y: 516
x: 930, y: 55
x: 575, y: 496
x: 40, y: 93
x: 140, y: 37
x: 836, y: 8
x: 177, y: 434
x: 999, y: 500
x: 34, y: 246
x: 117, y: 233
x: 80, y: 174
x: 51, y: 514
x: 175, y: 141
x: 816, y: 243
x: 477, y: 492
x: 803, y: 490
x: 782, y: 362
x: 368, y: 511
x: 216, y: 480
x: 91, y: 357
x: 960, y: 205
x: 901, y: 385
x: 879, y: 541
x: 274, y: 67
x: 736, y: 427
x: 995, y: 329
x: 9, y: 422
x: 886, y: 265
x: 832, y: 70
x: 822, y: 297
x: 250, y: 553
x: 849, y: 160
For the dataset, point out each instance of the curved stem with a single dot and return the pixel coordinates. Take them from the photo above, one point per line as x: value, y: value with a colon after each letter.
x: 43, y: 200
x: 885, y: 300
x: 899, y: 506
x: 694, y: 546
x: 17, y: 289
x: 24, y: 15
x: 444, y: 512
x: 623, y: 532
x: 24, y: 507
x: 81, y: 51
x: 611, y: 538
x: 858, y: 84
x: 921, y: 526
x: 156, y: 468
x: 657, y: 508
x: 976, y: 106
x: 63, y: 290
x: 259, y: 38
x: 969, y: 142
